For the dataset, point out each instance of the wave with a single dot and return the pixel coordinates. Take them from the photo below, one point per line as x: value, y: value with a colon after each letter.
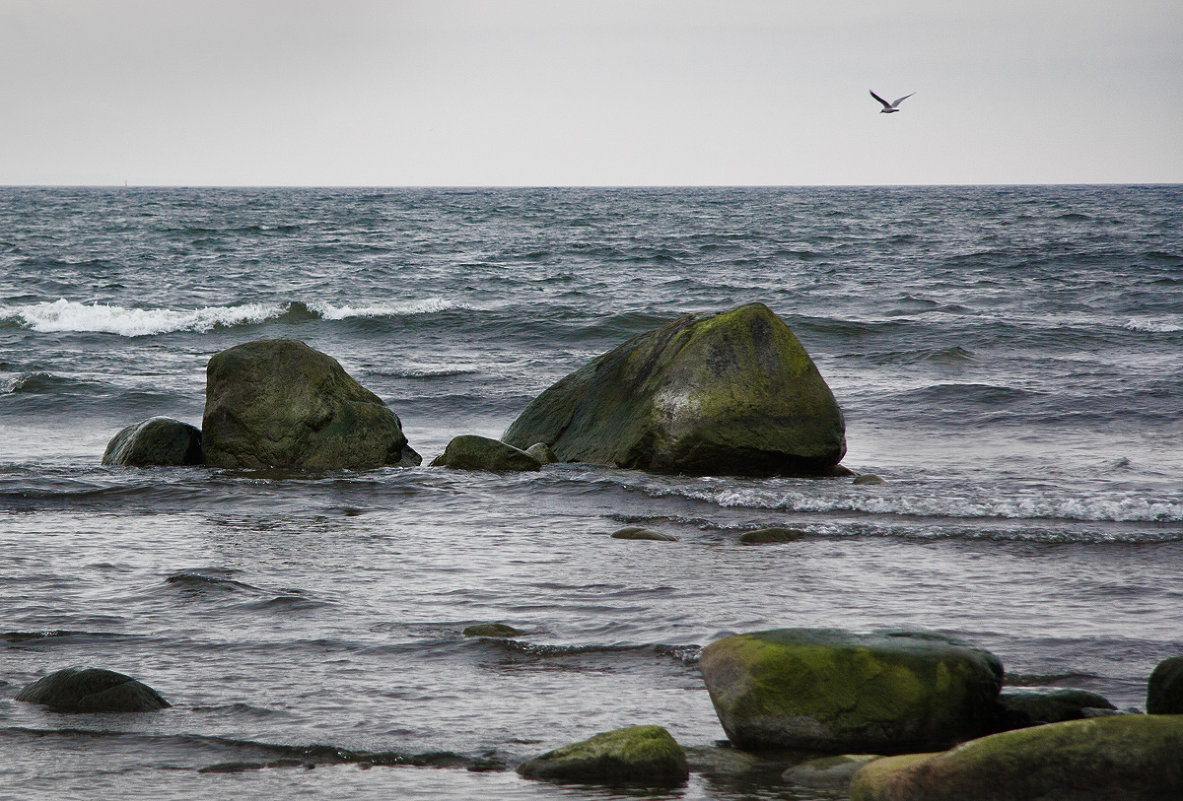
x: 1155, y: 325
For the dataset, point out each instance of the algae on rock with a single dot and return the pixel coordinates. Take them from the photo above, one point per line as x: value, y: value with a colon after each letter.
x: 633, y: 755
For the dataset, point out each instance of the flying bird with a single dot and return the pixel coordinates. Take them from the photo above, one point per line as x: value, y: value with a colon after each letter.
x: 890, y: 108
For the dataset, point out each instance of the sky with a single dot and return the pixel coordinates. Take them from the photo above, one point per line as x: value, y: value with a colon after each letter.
x: 589, y: 92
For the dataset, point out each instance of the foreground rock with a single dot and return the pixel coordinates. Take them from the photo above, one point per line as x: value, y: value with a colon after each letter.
x: 1127, y: 757
x: 731, y: 394
x: 156, y: 442
x: 829, y: 772
x: 830, y: 690
x: 775, y: 534
x: 471, y: 452
x: 280, y: 404
x: 1164, y: 690
x: 635, y: 755
x: 642, y: 533
x: 92, y: 690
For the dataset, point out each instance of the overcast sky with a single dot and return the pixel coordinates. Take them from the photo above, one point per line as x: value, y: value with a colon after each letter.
x: 589, y: 92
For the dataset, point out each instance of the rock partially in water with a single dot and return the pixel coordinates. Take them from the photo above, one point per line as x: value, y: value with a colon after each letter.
x: 280, y: 404
x: 92, y: 690
x: 840, y: 692
x: 1164, y: 690
x: 634, y: 755
x: 642, y: 533
x: 472, y: 452
x: 773, y: 534
x: 832, y: 773
x: 868, y: 479
x: 155, y: 442
x: 1127, y: 757
x: 491, y: 630
x: 542, y: 452
x: 1021, y: 709
x: 725, y: 394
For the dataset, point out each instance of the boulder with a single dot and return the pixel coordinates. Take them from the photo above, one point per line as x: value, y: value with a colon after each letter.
x: 491, y: 630
x: 767, y: 536
x: 634, y: 755
x: 832, y: 773
x: 641, y: 533
x: 280, y: 404
x: 840, y: 692
x: 726, y: 394
x: 1164, y: 690
x: 92, y: 690
x: 470, y: 452
x: 542, y: 452
x: 1127, y: 757
x: 155, y: 442
x: 1021, y: 709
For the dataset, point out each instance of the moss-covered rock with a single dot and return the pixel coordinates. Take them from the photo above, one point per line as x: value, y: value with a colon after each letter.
x: 642, y: 533
x: 156, y: 442
x: 491, y: 630
x: 774, y: 534
x: 542, y: 452
x: 832, y: 772
x: 279, y: 403
x: 76, y: 690
x: 1021, y: 709
x: 634, y: 755
x: 729, y: 394
x: 1164, y: 690
x: 1127, y: 757
x: 472, y: 452
x: 830, y: 690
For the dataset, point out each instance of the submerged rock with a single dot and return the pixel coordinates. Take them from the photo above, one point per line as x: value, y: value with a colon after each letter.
x: 1164, y: 690
x: 634, y: 755
x: 641, y: 533
x: 472, y: 452
x: 280, y: 404
x: 491, y: 630
x: 731, y: 394
x: 155, y: 442
x: 830, y: 690
x: 829, y: 772
x: 92, y: 690
x: 1021, y: 709
x: 774, y: 534
x: 868, y: 479
x: 1127, y: 757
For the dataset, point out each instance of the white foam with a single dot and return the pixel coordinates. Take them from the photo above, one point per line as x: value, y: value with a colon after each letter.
x: 1155, y: 325
x: 424, y: 306
x: 67, y: 315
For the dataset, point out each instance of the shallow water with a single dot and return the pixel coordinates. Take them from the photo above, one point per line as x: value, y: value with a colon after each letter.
x: 1007, y: 359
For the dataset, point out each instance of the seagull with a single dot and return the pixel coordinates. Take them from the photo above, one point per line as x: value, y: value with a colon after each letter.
x: 890, y: 108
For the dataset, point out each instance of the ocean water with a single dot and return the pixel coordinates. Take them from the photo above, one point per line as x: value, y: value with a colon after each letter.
x: 1009, y: 360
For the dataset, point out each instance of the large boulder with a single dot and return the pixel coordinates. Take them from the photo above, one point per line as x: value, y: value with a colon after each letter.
x: 1164, y: 690
x: 731, y: 393
x: 279, y: 403
x: 836, y: 691
x: 1128, y: 757
x: 156, y: 442
x: 637, y: 754
x: 472, y: 452
x: 92, y: 690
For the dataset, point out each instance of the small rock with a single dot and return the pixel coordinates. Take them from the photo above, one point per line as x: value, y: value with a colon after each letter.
x: 633, y: 755
x: 868, y: 478
x: 1022, y: 709
x: 156, y: 442
x: 92, y: 690
x: 542, y: 452
x: 1164, y: 690
x: 830, y: 772
x: 472, y: 452
x: 765, y: 536
x: 491, y: 630
x: 641, y: 533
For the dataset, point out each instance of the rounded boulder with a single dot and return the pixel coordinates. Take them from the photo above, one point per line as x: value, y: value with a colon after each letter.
x: 76, y: 690
x: 633, y: 755
x: 156, y: 442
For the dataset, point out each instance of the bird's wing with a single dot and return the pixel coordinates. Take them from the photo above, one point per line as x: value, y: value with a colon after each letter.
x: 881, y: 100
x: 901, y: 100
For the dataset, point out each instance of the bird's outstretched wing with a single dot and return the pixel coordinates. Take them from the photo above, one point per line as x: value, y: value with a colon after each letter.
x: 901, y: 100
x: 881, y: 100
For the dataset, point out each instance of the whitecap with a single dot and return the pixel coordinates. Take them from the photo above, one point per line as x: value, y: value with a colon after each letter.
x: 1155, y: 325
x: 66, y: 315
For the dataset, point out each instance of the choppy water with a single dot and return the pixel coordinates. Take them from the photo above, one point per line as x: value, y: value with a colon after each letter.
x: 1008, y: 359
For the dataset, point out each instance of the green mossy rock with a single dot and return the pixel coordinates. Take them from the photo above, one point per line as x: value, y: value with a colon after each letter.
x: 641, y: 533
x: 725, y: 394
x: 1164, y: 690
x: 1127, y: 757
x: 75, y: 690
x: 1021, y: 709
x: 156, y: 442
x: 542, y: 452
x: 280, y: 404
x: 769, y: 536
x: 491, y: 630
x: 472, y: 452
x: 645, y: 755
x: 835, y: 691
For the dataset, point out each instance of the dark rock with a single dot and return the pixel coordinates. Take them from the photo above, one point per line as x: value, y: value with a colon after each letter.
x: 1021, y: 709
x: 1127, y: 757
x: 1164, y: 690
x: 471, y: 452
x: 835, y: 691
x: 634, y: 755
x: 640, y: 533
x: 829, y: 772
x: 280, y: 404
x: 491, y: 630
x: 156, y: 442
x: 767, y: 536
x: 92, y: 690
x: 728, y: 394
x: 542, y: 452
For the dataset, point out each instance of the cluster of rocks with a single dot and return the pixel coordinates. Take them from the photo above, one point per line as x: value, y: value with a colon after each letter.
x: 726, y: 394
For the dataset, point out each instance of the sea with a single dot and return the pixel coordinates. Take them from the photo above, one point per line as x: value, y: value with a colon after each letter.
x: 1009, y: 361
